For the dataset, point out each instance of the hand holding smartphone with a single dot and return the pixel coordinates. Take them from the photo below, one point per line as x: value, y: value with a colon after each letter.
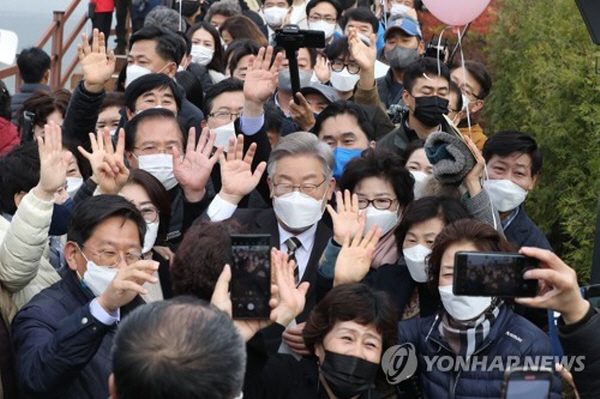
x: 250, y: 284
x: 497, y: 274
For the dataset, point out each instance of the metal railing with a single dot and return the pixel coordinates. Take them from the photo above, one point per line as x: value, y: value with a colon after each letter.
x: 58, y: 48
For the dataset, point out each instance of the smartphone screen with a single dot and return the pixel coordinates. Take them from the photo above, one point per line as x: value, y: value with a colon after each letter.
x: 496, y: 274
x: 250, y: 284
x: 534, y: 384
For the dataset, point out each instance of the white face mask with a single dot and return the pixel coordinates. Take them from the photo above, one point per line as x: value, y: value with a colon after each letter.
x: 224, y: 133
x: 504, y: 194
x: 466, y: 102
x: 274, y: 15
x: 159, y: 166
x: 324, y: 27
x: 112, y: 132
x: 133, y: 72
x: 461, y: 307
x: 384, y: 219
x: 202, y: 55
x: 98, y: 278
x: 415, y: 261
x: 421, y: 179
x: 73, y: 184
x: 150, y: 237
x: 344, y: 81
x: 399, y: 9
x: 297, y: 210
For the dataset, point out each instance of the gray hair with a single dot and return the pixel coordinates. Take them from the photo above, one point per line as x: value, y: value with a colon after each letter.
x: 163, y: 17
x: 228, y: 8
x: 302, y: 143
x: 180, y: 348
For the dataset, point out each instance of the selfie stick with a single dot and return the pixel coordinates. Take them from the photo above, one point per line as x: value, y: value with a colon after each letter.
x: 291, y: 38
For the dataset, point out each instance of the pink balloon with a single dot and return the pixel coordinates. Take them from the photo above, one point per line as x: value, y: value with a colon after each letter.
x: 456, y: 12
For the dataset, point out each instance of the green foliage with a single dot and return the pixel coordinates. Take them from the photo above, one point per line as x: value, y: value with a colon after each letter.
x: 543, y: 64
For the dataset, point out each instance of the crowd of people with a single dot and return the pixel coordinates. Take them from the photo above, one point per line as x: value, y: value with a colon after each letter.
x: 118, y: 208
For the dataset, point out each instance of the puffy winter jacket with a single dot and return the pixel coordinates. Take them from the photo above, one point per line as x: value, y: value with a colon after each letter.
x: 510, y: 335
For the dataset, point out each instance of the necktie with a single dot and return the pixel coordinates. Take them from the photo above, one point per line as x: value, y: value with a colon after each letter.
x: 293, y: 243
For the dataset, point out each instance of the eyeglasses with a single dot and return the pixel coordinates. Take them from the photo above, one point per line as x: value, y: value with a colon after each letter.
x: 469, y: 93
x: 317, y: 18
x: 338, y: 66
x: 306, y: 188
x: 110, y: 258
x: 152, y: 149
x: 225, y: 115
x: 150, y: 214
x: 382, y: 204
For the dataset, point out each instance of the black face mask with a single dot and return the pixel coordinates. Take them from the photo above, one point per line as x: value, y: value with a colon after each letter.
x: 430, y: 110
x: 348, y: 376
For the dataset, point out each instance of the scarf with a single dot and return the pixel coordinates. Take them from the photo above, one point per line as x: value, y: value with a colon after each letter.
x: 465, y: 338
x: 386, y: 251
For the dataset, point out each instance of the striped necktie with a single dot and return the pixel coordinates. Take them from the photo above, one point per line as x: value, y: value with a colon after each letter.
x: 293, y: 243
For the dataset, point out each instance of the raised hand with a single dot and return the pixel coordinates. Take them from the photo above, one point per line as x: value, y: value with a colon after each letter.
x: 473, y: 178
x: 355, y: 258
x: 127, y: 284
x: 346, y: 220
x: 363, y: 54
x: 108, y: 169
x: 290, y: 299
x: 293, y: 338
x: 96, y: 65
x: 53, y: 163
x: 194, y: 170
x: 261, y: 81
x: 302, y: 113
x: 322, y: 69
x: 237, y: 178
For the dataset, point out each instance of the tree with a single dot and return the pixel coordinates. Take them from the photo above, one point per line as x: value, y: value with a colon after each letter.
x: 543, y: 64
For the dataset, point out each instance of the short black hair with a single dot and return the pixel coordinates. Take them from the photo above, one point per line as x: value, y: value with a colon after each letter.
x: 33, y: 63
x: 273, y: 118
x: 192, y: 86
x: 113, y: 99
x: 188, y: 7
x: 424, y: 65
x: 92, y: 211
x: 238, y: 49
x: 380, y: 163
x: 313, y: 3
x: 149, y: 82
x: 447, y: 209
x: 360, y: 15
x: 510, y: 142
x: 458, y: 93
x: 342, y: 107
x: 337, y: 49
x: 228, y: 85
x: 150, y: 114
x: 178, y: 349
x: 481, y: 75
x: 168, y: 44
x: 19, y: 172
x: 43, y: 104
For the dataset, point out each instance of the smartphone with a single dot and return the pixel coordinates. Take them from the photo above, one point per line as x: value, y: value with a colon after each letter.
x: 497, y: 274
x: 592, y: 294
x: 522, y: 383
x: 28, y: 126
x: 250, y: 284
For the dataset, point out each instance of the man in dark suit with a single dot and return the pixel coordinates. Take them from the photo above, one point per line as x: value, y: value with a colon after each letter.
x: 300, y: 178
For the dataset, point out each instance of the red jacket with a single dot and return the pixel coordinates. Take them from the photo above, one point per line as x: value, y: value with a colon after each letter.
x: 104, y: 5
x: 8, y: 136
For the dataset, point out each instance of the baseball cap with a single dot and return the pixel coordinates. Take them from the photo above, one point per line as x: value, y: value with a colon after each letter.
x: 326, y: 91
x: 407, y: 25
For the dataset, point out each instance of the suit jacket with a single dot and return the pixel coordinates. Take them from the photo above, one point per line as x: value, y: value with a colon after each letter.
x: 263, y: 221
x: 523, y: 232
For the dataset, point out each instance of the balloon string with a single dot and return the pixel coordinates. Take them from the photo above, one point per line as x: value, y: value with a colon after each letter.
x: 464, y: 72
x: 439, y: 62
